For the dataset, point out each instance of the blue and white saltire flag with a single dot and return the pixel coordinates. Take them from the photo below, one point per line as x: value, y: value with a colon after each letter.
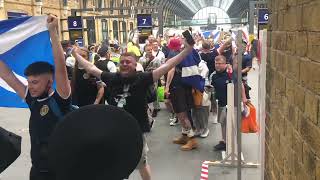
x: 190, y: 71
x: 22, y: 41
x: 216, y: 35
x: 206, y: 34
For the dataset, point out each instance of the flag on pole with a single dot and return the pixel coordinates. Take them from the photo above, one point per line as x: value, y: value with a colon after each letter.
x: 206, y: 34
x: 22, y: 41
x: 216, y: 35
x: 190, y: 71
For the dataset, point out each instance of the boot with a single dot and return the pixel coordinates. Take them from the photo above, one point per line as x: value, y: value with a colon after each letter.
x: 183, y: 139
x: 191, y: 144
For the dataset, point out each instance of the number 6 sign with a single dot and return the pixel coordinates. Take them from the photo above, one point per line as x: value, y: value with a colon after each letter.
x: 263, y: 16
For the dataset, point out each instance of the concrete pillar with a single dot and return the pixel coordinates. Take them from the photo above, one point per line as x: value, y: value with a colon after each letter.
x: 65, y: 11
x: 251, y: 16
x: 37, y: 11
x: 2, y: 11
x: 160, y: 21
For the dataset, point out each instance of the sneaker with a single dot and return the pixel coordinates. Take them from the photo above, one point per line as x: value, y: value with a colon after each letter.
x: 191, y: 133
x: 197, y: 133
x: 205, y: 133
x: 220, y: 147
x: 174, y: 122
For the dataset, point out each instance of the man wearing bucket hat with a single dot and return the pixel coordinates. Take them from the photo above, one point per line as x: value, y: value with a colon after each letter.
x: 129, y: 90
x: 99, y: 148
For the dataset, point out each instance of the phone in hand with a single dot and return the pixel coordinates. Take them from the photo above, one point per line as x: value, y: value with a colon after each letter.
x: 186, y: 34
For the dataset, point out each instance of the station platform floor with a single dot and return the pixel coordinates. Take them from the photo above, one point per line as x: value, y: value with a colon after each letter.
x: 167, y: 161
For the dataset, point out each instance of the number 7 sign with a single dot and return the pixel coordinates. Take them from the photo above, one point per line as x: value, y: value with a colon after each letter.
x: 144, y: 20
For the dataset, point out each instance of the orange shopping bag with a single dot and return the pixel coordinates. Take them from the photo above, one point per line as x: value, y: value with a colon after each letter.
x: 197, y: 97
x: 249, y: 123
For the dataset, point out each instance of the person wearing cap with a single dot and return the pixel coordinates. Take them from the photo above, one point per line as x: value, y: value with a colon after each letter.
x: 115, y: 54
x: 104, y: 63
x: 86, y: 89
x: 129, y: 88
x: 181, y: 98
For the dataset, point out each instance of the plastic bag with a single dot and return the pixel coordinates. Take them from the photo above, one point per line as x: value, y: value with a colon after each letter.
x: 249, y: 123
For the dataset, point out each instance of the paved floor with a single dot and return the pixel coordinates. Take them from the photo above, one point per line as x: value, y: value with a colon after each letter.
x: 166, y: 160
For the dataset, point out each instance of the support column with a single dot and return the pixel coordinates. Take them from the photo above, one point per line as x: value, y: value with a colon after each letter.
x: 38, y: 8
x: 65, y: 11
x: 2, y: 11
x: 251, y: 16
x: 65, y: 8
x: 160, y: 20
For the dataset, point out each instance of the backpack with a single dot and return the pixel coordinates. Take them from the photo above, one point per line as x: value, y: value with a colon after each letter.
x: 102, y: 65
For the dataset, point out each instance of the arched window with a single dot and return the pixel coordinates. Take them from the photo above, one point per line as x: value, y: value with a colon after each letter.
x: 104, y: 24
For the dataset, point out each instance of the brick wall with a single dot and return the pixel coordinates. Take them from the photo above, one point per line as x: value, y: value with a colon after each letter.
x: 293, y: 91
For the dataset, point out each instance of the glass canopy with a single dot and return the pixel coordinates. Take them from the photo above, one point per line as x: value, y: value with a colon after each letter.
x: 196, y: 5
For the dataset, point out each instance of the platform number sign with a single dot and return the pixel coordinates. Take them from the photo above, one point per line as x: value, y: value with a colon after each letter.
x: 74, y: 22
x: 144, y: 20
x: 263, y: 16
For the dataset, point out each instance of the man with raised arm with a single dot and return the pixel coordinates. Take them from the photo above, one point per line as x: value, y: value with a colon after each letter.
x: 129, y: 89
x: 42, y: 99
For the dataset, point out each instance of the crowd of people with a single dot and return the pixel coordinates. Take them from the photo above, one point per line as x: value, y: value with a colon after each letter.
x: 129, y: 78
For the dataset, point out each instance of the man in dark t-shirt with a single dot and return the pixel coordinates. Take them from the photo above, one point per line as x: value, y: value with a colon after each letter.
x: 219, y: 80
x: 44, y: 102
x: 129, y: 89
x: 208, y: 56
x: 129, y: 93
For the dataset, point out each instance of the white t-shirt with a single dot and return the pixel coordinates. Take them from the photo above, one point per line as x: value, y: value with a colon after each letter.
x: 70, y: 61
x: 160, y: 55
x: 139, y: 67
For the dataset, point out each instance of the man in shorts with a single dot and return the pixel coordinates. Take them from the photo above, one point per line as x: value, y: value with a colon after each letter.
x: 129, y: 90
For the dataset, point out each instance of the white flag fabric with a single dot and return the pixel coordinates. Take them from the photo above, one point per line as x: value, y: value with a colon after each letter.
x: 22, y: 41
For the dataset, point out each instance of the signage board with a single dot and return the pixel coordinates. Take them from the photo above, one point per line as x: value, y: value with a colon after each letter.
x: 263, y: 16
x: 74, y: 22
x: 144, y: 20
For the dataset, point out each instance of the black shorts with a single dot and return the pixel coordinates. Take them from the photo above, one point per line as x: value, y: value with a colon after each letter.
x: 35, y: 174
x: 181, y: 99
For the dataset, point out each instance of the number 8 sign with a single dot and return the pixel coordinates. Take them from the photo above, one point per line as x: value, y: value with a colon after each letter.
x: 74, y: 22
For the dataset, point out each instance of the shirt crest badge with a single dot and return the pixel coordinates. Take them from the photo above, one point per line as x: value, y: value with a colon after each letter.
x: 44, y: 110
